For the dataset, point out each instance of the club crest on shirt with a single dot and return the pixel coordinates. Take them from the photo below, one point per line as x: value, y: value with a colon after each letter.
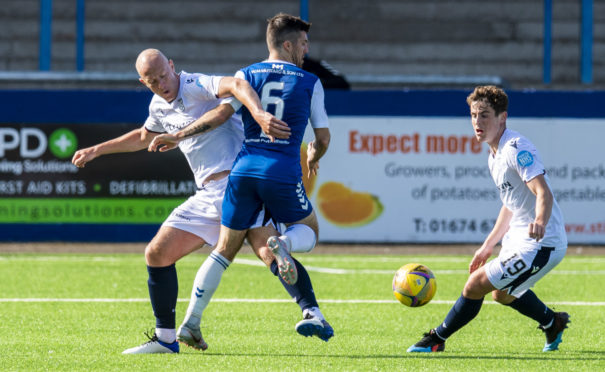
x: 181, y: 104
x: 525, y: 158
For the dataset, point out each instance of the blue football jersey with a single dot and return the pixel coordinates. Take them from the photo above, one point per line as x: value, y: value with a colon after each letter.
x: 286, y: 91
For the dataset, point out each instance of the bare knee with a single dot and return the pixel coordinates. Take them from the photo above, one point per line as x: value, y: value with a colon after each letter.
x: 257, y: 238
x: 471, y: 290
x: 227, y: 252
x: 477, y: 285
x: 502, y: 297
x: 265, y: 255
x: 154, y: 255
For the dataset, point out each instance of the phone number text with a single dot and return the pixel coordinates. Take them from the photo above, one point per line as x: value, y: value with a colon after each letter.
x: 453, y: 226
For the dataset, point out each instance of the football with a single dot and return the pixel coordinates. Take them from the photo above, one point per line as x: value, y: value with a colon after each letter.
x: 414, y: 285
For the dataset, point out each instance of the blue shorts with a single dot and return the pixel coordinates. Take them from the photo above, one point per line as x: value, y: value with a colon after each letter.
x: 245, y: 196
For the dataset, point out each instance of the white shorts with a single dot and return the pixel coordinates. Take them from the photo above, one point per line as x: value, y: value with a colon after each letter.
x: 520, y: 264
x: 201, y: 213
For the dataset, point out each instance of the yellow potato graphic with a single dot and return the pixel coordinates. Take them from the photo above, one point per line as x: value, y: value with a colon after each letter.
x: 345, y: 207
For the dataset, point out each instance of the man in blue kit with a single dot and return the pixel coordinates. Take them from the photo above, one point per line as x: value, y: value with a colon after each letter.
x: 267, y: 172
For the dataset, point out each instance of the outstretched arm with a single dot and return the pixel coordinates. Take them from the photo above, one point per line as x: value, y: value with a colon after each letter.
x: 203, y: 124
x: 134, y: 140
x: 317, y: 148
x: 228, y: 86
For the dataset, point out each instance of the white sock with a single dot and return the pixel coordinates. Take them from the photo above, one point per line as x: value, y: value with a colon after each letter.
x: 301, y: 238
x: 315, y: 312
x: 167, y: 335
x: 206, y: 281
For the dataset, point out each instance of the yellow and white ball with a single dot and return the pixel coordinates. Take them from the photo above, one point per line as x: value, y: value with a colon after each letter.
x: 414, y: 285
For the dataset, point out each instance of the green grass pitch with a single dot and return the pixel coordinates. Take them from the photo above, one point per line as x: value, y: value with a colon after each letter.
x: 66, y: 312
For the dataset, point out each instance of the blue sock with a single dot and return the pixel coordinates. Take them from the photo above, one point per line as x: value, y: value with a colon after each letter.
x: 530, y: 305
x: 302, y: 291
x: 463, y: 311
x: 163, y: 292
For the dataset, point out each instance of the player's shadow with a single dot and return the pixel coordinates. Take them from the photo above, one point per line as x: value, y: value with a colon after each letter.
x: 570, y: 356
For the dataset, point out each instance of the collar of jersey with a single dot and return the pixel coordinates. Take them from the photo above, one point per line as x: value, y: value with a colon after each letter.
x: 505, y: 136
x: 278, y: 61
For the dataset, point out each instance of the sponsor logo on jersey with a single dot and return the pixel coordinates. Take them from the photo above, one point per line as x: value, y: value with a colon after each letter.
x: 177, y: 125
x: 525, y: 159
x: 178, y: 215
x: 189, y: 81
x: 277, y: 67
x: 535, y: 269
x: 505, y: 186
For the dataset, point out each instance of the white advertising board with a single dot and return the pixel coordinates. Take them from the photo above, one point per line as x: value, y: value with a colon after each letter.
x: 429, y: 181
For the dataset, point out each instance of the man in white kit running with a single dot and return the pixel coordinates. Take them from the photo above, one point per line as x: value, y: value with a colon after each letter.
x: 179, y: 100
x: 530, y: 225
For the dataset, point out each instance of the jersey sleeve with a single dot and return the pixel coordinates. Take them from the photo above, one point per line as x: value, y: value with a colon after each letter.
x: 319, y: 116
x: 234, y: 102
x: 525, y: 160
x: 205, y: 87
x: 152, y: 124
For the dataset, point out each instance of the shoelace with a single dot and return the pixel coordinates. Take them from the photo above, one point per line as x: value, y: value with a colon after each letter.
x: 153, y: 338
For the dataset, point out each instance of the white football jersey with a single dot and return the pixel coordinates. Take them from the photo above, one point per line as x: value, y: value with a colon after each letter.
x: 206, y: 153
x: 516, y: 162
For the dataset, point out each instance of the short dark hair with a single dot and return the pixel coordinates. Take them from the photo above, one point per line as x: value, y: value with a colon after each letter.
x: 282, y: 27
x: 493, y: 95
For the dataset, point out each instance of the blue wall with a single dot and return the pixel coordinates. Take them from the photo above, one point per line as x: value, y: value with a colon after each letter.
x: 46, y: 106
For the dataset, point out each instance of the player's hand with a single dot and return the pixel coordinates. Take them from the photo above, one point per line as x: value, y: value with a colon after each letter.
x: 163, y: 142
x: 312, y: 165
x: 536, y: 230
x: 313, y: 168
x: 81, y: 157
x: 272, y: 126
x: 480, y: 258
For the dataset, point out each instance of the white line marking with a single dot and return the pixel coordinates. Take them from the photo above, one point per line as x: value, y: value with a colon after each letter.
x: 324, y: 270
x: 258, y: 263
x: 270, y: 300
x: 328, y: 270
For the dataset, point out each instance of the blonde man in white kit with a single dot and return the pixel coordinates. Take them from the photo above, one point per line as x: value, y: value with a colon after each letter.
x: 179, y: 100
x: 530, y: 226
